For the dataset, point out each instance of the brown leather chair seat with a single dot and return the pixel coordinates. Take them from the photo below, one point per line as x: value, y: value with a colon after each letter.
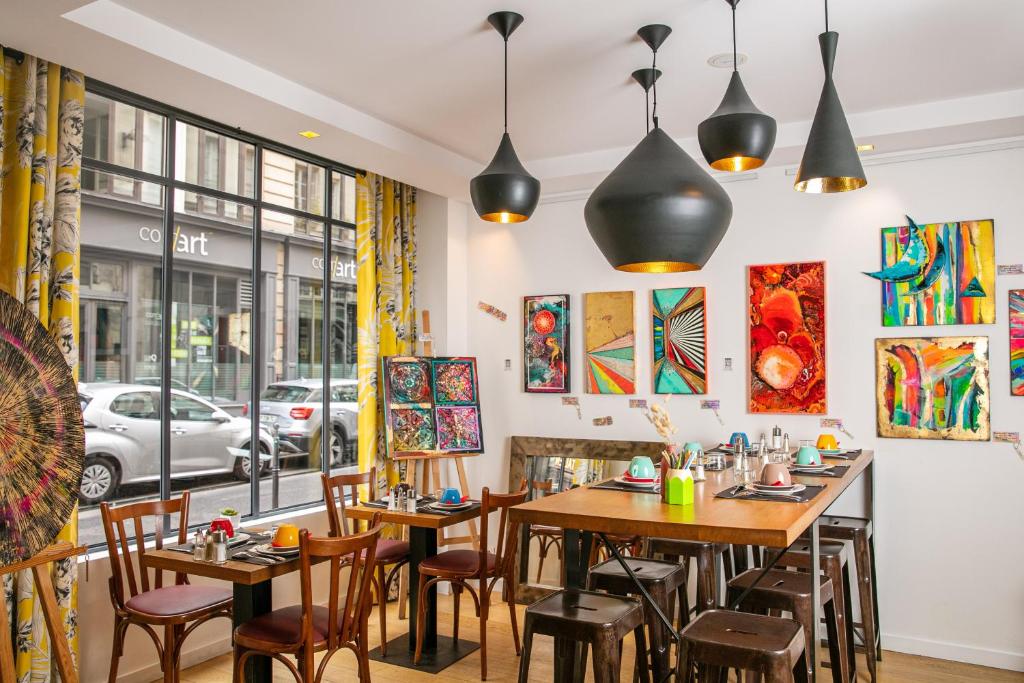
x: 175, y: 600
x: 389, y: 550
x: 283, y: 626
x: 456, y: 562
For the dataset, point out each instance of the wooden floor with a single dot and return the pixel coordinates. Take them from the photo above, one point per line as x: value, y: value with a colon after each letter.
x: 503, y: 665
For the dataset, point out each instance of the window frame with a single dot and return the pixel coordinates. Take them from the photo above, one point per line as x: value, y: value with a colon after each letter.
x: 169, y: 184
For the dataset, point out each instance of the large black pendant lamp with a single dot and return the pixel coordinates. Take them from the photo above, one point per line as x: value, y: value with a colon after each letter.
x: 831, y: 162
x: 658, y: 211
x: 504, y: 192
x: 737, y: 136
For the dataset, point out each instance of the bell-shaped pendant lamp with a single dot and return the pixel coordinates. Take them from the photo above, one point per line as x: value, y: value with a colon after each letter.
x: 737, y: 136
x: 830, y: 162
x: 504, y: 192
x: 658, y: 211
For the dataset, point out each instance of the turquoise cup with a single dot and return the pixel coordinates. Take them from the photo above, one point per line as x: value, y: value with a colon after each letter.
x: 808, y: 455
x: 641, y: 467
x: 742, y: 435
x: 696, y: 450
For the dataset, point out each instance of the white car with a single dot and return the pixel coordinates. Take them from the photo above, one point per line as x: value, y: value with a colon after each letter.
x: 122, y: 438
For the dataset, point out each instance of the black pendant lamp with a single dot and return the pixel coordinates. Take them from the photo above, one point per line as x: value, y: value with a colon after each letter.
x: 737, y: 136
x: 658, y: 211
x: 504, y: 192
x: 831, y: 162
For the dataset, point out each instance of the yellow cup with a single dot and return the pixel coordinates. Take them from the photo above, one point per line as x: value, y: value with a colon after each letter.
x: 827, y: 442
x: 287, y: 536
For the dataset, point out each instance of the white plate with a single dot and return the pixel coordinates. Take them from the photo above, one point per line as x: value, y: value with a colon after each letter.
x: 239, y: 538
x: 830, y: 451
x: 447, y: 507
x: 776, y: 491
x: 268, y: 549
x: 635, y: 484
x: 811, y: 468
x: 781, y: 489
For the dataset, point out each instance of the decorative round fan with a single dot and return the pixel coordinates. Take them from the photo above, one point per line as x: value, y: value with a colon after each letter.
x: 42, y: 441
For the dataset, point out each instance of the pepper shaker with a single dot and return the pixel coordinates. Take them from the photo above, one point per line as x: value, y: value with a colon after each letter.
x: 410, y: 502
x: 199, y: 546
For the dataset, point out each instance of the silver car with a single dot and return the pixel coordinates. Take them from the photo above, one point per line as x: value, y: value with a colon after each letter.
x: 122, y: 438
x: 295, y: 407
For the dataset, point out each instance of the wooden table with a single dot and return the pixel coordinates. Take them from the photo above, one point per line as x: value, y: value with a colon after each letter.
x: 251, y: 587
x: 583, y: 512
x: 439, y: 652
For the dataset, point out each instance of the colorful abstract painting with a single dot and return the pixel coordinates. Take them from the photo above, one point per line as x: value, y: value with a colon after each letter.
x: 679, y: 337
x: 413, y: 429
x: 546, y: 344
x: 454, y: 381
x: 409, y: 381
x: 787, y: 338
x: 458, y: 428
x: 1017, y: 342
x: 938, y: 274
x: 932, y: 388
x: 609, y: 342
x: 431, y: 406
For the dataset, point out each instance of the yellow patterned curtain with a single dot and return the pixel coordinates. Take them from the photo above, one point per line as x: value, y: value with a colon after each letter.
x: 386, y: 308
x: 41, y: 120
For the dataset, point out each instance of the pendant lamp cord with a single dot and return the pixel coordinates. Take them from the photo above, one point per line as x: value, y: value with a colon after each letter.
x: 826, y: 16
x: 735, y: 64
x: 654, y: 65
x: 506, y: 85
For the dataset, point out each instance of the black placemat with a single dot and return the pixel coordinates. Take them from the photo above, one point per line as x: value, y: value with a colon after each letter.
x: 807, y: 494
x: 612, y: 485
x: 425, y: 508
x: 836, y: 472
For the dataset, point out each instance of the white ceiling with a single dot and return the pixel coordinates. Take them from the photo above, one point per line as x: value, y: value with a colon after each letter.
x: 414, y: 88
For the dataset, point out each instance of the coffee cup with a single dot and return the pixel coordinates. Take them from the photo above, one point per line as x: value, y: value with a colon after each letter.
x: 742, y: 436
x: 223, y: 524
x: 693, y: 448
x: 451, y: 496
x: 641, y: 467
x: 287, y: 536
x: 776, y: 474
x: 808, y: 454
x: 827, y: 442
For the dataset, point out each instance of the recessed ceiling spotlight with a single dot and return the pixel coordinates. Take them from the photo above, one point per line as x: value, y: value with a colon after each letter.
x: 724, y: 60
x: 866, y: 147
x: 309, y: 134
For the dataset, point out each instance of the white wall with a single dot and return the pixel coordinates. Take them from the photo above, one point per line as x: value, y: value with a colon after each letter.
x: 949, y: 559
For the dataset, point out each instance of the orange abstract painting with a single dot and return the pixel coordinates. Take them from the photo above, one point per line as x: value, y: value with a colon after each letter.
x: 787, y: 338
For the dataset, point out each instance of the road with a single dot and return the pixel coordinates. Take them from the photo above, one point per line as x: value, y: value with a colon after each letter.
x: 211, y: 494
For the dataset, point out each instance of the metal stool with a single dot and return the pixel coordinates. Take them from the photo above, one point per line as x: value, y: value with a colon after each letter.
x: 719, y: 640
x: 704, y: 555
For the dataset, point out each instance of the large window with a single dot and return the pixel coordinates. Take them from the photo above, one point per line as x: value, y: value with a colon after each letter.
x: 202, y: 296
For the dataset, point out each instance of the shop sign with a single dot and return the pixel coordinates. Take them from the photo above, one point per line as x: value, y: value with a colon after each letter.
x: 194, y: 245
x: 339, y: 269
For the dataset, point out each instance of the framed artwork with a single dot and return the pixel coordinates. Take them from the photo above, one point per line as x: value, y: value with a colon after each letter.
x: 431, y: 406
x: 679, y: 340
x: 787, y: 363
x: 932, y: 388
x: 938, y: 274
x: 546, y: 344
x: 609, y: 342
x: 1017, y: 342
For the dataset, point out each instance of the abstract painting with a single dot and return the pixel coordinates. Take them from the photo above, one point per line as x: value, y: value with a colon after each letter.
x: 431, y: 406
x: 409, y: 381
x: 454, y: 381
x: 609, y: 342
x: 787, y: 338
x: 1017, y: 342
x: 546, y: 344
x: 679, y: 337
x: 938, y: 274
x: 458, y: 428
x: 932, y: 388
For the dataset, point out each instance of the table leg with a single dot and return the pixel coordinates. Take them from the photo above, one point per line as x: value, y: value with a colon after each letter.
x: 812, y: 646
x: 252, y: 601
x: 576, y: 547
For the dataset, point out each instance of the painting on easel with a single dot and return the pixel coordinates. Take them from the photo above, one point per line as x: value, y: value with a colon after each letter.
x: 431, y: 406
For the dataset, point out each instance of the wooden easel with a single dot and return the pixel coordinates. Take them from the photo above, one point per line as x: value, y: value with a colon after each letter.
x: 431, y: 477
x: 39, y: 565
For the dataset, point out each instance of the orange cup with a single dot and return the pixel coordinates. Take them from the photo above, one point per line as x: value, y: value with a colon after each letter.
x: 827, y: 442
x: 287, y: 536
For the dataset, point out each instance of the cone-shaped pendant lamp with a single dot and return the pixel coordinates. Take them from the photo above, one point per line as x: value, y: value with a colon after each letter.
x: 658, y: 211
x: 830, y: 162
x: 504, y: 192
x: 737, y: 136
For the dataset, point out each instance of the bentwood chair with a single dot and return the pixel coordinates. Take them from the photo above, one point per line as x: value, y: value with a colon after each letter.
x: 460, y: 566
x: 302, y: 630
x: 548, y: 537
x: 178, y: 608
x: 389, y: 551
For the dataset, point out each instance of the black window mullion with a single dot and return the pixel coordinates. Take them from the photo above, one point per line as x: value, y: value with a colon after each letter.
x: 327, y: 427
x: 256, y: 342
x: 166, y: 286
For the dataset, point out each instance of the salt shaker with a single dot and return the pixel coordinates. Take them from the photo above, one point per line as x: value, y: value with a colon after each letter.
x: 199, y: 546
x: 776, y: 438
x: 410, y: 502
x: 785, y: 443
x: 220, y: 546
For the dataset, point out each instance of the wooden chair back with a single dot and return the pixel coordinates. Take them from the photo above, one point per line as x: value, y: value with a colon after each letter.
x: 348, y: 601
x: 335, y: 493
x: 541, y: 488
x: 123, y: 526
x: 507, y: 534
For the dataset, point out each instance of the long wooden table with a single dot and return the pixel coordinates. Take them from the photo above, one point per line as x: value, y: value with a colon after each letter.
x: 584, y: 511
x: 439, y: 652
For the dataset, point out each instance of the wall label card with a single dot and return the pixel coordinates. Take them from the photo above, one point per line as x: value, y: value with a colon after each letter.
x: 603, y: 421
x: 492, y: 311
x: 1011, y: 269
x: 638, y: 403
